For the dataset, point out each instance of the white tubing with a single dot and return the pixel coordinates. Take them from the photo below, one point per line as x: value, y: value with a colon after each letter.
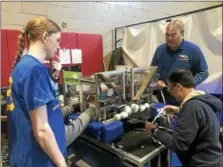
x: 124, y: 115
x: 128, y: 110
x: 117, y: 117
x: 134, y: 107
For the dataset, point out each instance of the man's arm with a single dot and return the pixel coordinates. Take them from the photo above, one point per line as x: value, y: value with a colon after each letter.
x: 185, y: 133
x: 77, y: 126
x: 200, y: 67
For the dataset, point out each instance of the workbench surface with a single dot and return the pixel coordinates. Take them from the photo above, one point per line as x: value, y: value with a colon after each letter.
x: 139, y: 155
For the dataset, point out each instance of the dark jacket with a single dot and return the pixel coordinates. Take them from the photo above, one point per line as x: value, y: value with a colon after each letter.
x: 116, y: 59
x: 196, y: 138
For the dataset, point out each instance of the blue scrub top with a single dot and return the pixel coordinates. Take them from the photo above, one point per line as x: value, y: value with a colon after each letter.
x: 29, y: 88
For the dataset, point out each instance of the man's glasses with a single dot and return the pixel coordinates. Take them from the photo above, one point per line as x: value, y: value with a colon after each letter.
x: 170, y: 88
x: 174, y: 35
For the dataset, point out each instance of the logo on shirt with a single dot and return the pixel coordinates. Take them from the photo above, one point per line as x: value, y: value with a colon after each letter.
x: 10, y: 104
x: 183, y: 57
x: 55, y: 107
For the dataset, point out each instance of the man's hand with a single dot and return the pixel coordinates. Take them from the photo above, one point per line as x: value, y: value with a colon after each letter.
x: 91, y: 105
x: 172, y: 109
x: 171, y: 118
x: 161, y: 84
x: 91, y: 101
x: 149, y: 126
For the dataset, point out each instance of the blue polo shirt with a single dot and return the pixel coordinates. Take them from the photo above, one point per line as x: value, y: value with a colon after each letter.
x: 189, y: 56
x: 30, y: 87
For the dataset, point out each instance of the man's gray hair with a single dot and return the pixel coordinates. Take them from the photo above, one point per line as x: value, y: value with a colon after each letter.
x: 177, y: 23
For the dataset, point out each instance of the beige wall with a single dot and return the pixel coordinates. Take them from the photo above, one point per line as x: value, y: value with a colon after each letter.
x: 93, y: 17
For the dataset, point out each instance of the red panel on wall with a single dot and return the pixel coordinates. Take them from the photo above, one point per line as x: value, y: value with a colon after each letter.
x: 92, y: 53
x: 12, y: 38
x: 68, y: 40
x: 5, y: 70
x: 91, y: 46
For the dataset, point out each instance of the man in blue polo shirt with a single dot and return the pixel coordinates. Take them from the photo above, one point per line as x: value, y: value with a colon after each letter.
x: 178, y: 53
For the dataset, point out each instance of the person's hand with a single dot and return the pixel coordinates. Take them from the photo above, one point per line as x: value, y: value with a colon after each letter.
x: 161, y: 84
x: 149, y: 126
x: 172, y: 109
x: 171, y: 118
x: 91, y: 101
x: 56, y: 65
x: 91, y: 105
